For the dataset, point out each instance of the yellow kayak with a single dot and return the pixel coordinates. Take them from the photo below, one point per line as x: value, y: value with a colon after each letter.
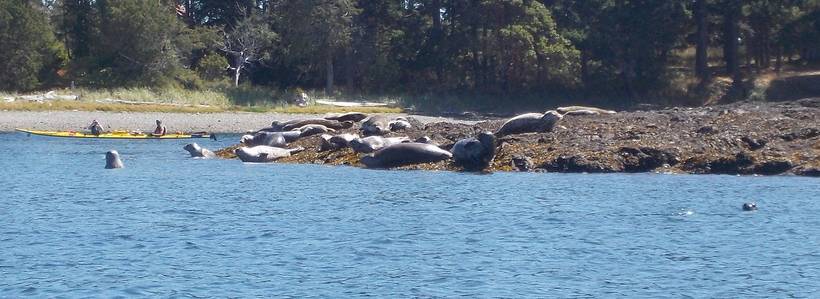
x: 116, y: 135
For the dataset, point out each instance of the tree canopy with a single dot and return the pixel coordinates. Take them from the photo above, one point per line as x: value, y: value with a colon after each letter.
x: 493, y: 47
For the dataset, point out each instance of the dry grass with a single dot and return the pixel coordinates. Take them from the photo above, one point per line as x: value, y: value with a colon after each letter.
x: 243, y: 98
x: 96, y: 106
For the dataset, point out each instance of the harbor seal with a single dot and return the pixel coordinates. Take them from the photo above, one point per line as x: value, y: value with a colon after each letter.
x: 399, y: 124
x: 475, y: 154
x: 529, y: 123
x: 750, y: 206
x: 582, y: 110
x: 276, y: 139
x: 349, y: 116
x: 263, y: 153
x: 376, y: 125
x: 405, y: 154
x: 197, y: 151
x: 310, y: 130
x: 330, y: 142
x: 373, y: 143
x: 333, y: 124
x: 112, y: 160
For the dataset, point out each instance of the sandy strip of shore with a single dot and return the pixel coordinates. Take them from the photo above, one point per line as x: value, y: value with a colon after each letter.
x: 227, y: 122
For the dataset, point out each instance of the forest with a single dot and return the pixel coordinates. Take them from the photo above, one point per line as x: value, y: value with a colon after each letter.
x: 496, y: 52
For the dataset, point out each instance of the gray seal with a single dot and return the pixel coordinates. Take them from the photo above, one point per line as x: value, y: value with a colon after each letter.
x: 750, y: 206
x: 264, y: 154
x: 349, y: 116
x: 475, y: 154
x: 405, y: 154
x: 373, y: 143
x: 112, y: 160
x: 529, y: 123
x: 197, y: 151
x: 376, y: 125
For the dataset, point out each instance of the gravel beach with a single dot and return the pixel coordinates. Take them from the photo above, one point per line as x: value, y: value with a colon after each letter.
x: 227, y: 122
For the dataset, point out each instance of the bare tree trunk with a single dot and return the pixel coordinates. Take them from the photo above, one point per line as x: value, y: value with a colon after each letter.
x: 329, y: 69
x: 701, y: 54
x: 237, y: 70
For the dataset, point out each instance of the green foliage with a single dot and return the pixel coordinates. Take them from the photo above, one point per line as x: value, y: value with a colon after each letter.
x: 29, y: 53
x: 513, y: 51
x: 212, y: 67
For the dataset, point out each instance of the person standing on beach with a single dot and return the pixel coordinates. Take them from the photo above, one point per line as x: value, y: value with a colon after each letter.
x: 160, y: 130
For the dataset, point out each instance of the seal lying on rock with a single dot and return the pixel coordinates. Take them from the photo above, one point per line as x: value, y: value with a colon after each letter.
x: 405, y: 154
x: 264, y: 154
x: 265, y: 138
x: 112, y: 160
x: 333, y: 124
x: 475, y: 154
x: 330, y: 142
x: 197, y: 151
x: 399, y: 124
x: 350, y: 116
x: 529, y: 123
x: 375, y: 125
x: 310, y: 130
x: 373, y: 143
x: 582, y: 110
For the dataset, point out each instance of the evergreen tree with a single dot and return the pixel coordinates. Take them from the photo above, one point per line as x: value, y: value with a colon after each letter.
x: 29, y: 51
x: 316, y: 29
x: 139, y: 42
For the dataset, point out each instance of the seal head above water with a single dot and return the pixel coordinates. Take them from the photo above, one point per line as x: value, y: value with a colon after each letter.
x: 112, y: 160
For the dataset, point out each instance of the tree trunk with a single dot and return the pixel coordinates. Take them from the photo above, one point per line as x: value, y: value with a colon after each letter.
x: 329, y: 69
x: 730, y: 46
x: 701, y: 54
x: 237, y: 71
x: 349, y: 69
x: 437, y: 38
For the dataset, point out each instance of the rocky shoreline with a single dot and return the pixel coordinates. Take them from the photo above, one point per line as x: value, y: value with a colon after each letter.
x: 741, y: 138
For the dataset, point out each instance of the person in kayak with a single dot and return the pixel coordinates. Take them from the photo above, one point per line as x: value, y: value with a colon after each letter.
x: 160, y: 130
x: 95, y: 128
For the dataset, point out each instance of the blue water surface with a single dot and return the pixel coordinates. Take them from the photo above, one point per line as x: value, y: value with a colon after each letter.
x: 171, y: 226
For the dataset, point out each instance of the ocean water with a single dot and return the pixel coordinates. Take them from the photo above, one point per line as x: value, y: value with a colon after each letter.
x: 171, y: 226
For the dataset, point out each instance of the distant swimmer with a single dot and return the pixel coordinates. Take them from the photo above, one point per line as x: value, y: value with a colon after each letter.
x: 95, y: 128
x: 160, y: 130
